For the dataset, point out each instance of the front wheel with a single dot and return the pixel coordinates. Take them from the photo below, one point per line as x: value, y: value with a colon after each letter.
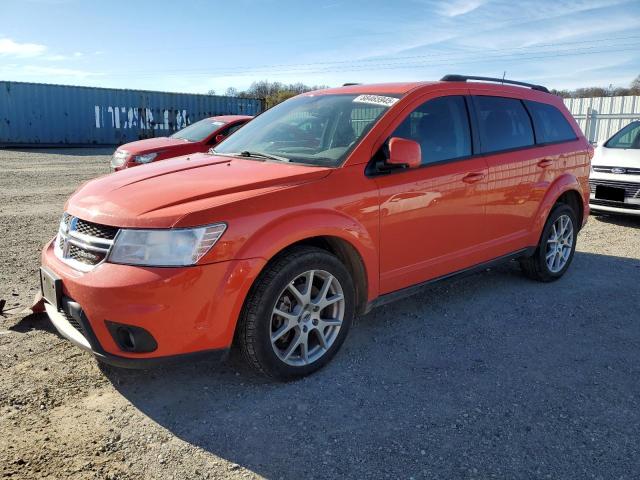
x: 297, y: 314
x: 556, y: 248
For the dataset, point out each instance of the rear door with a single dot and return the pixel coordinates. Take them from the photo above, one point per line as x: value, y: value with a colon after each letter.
x: 516, y: 181
x: 432, y: 217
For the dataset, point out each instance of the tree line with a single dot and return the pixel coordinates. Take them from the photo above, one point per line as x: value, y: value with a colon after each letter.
x: 610, y: 91
x: 275, y: 92
x: 272, y: 92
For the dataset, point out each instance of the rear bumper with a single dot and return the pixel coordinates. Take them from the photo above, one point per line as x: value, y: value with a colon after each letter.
x: 187, y: 311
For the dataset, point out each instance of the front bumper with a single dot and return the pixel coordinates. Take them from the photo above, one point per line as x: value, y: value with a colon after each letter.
x: 613, y: 207
x: 629, y: 183
x: 72, y: 324
x: 188, y: 310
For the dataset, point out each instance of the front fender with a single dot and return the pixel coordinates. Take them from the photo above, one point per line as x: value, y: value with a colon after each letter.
x: 280, y: 233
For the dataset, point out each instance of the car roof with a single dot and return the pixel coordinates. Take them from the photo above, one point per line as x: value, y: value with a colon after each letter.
x: 378, y: 88
x: 230, y: 118
x: 406, y: 87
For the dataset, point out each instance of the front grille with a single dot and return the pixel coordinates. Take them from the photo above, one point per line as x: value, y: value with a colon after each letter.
x: 73, y: 322
x: 82, y: 244
x: 618, y: 170
x: 611, y: 203
x: 85, y: 256
x: 95, y: 230
x: 631, y: 190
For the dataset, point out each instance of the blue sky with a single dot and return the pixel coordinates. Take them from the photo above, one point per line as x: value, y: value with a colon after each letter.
x: 194, y: 46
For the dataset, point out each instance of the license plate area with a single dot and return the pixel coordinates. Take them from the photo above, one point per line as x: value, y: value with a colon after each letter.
x: 604, y: 192
x: 51, y: 286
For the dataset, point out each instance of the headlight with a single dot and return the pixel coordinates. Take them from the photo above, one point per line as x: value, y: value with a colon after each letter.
x: 164, y: 248
x: 144, y: 158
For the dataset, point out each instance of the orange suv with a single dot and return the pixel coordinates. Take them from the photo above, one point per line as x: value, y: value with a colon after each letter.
x: 321, y: 208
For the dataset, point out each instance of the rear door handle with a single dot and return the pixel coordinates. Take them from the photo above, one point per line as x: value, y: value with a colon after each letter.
x: 545, y: 163
x: 473, y: 177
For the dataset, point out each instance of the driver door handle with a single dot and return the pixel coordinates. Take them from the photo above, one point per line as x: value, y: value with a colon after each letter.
x: 473, y: 177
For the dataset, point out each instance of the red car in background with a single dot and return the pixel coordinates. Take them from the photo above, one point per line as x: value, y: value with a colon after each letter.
x: 197, y: 137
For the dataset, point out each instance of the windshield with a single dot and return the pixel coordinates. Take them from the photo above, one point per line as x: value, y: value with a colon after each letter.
x: 628, y: 137
x: 198, y: 131
x: 315, y: 130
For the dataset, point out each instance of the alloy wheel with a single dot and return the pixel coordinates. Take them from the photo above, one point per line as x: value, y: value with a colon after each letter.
x: 307, y: 318
x: 559, y: 244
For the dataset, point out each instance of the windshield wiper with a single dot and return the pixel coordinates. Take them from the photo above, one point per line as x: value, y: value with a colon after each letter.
x: 247, y: 153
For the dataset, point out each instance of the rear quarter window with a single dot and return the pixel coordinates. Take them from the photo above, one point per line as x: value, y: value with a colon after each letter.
x: 503, y: 124
x: 549, y: 123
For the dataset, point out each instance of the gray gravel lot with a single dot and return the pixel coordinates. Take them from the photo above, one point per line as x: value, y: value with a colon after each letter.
x: 489, y: 376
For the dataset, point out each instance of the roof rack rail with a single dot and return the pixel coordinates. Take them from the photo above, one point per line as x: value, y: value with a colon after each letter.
x: 350, y: 84
x: 464, y: 78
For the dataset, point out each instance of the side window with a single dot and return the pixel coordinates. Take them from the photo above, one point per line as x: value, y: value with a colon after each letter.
x: 441, y: 127
x: 233, y: 129
x: 503, y: 123
x: 549, y: 123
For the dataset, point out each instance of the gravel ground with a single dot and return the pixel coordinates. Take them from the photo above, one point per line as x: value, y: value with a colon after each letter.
x: 489, y: 376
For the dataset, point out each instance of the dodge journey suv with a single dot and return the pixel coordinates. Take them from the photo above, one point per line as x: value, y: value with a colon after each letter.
x: 321, y: 208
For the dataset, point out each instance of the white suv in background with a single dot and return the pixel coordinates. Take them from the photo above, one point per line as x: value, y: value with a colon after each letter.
x: 615, y: 173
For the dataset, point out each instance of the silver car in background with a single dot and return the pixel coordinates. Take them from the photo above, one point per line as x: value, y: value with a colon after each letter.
x: 615, y: 173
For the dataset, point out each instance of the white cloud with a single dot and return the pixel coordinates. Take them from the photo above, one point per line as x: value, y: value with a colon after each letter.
x: 8, y: 47
x: 459, y: 7
x: 28, y: 72
x: 56, y: 58
x: 60, y: 57
x: 58, y: 72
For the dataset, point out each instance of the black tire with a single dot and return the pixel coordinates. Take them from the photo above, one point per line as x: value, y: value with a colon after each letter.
x: 254, y: 326
x: 535, y: 266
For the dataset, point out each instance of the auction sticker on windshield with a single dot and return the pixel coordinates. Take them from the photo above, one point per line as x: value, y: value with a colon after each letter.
x: 376, y: 100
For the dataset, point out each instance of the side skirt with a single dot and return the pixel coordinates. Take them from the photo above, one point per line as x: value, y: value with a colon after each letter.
x: 413, y: 289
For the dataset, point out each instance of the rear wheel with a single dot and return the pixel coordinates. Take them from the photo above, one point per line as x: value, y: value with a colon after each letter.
x: 297, y: 314
x: 556, y: 248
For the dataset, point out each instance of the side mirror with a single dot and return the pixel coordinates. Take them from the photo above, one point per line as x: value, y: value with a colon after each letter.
x: 403, y: 152
x: 219, y: 137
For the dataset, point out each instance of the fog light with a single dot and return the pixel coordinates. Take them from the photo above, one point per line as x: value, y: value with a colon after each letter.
x: 130, y: 338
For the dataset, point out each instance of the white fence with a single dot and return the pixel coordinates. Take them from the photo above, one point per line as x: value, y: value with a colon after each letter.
x: 601, y: 117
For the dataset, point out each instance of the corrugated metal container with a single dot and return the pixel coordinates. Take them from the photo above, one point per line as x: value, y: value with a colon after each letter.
x: 41, y: 114
x: 601, y: 117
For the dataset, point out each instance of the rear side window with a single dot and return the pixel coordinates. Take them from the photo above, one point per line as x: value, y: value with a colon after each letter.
x: 503, y: 124
x: 441, y: 127
x: 549, y: 123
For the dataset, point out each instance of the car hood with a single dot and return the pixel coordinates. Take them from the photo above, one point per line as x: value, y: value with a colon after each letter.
x: 152, y: 145
x: 616, y: 157
x: 159, y: 194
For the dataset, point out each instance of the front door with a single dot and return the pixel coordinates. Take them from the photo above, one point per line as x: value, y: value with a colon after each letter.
x: 432, y: 217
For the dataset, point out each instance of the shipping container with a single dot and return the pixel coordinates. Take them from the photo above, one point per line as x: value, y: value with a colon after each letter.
x: 33, y: 114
